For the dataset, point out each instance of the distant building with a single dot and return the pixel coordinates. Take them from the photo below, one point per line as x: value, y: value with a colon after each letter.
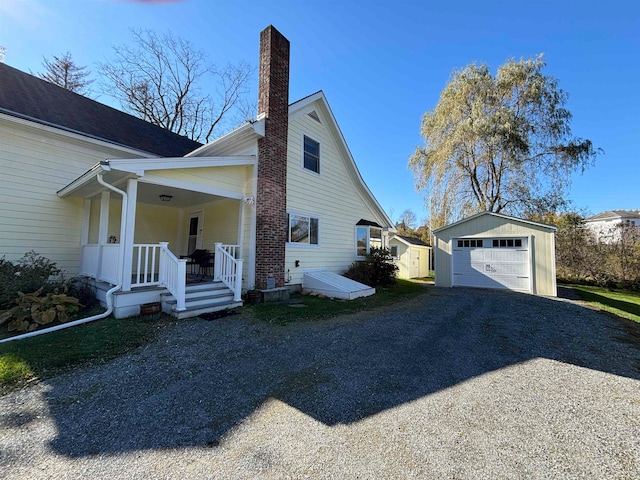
x: 606, y: 224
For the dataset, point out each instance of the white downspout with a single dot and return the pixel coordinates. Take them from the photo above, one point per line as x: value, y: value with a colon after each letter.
x: 109, y: 294
x: 70, y: 324
x: 123, y: 217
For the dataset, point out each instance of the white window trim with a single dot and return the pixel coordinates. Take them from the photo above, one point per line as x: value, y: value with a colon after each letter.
x: 397, y: 255
x: 368, y: 227
x: 310, y: 137
x: 304, y: 214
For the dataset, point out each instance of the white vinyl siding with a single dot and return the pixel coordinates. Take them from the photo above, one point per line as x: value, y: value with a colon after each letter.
x: 334, y: 196
x: 35, y: 162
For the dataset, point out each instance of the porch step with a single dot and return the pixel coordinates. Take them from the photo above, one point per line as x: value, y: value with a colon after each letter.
x: 195, y: 311
x: 200, y: 298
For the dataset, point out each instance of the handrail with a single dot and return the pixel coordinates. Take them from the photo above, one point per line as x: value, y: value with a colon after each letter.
x: 172, y: 274
x: 228, y: 269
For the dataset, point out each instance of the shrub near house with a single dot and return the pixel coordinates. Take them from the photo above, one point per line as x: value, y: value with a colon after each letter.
x: 31, y: 296
x: 376, y: 270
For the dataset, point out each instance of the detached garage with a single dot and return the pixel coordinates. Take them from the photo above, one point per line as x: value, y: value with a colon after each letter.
x: 491, y: 250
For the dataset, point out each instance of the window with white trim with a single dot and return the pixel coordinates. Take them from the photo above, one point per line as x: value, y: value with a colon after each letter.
x: 311, y: 155
x: 302, y: 229
x: 367, y: 238
x: 393, y: 249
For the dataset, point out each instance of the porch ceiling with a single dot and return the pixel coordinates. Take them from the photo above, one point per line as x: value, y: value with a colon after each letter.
x: 180, y: 198
x: 147, y: 192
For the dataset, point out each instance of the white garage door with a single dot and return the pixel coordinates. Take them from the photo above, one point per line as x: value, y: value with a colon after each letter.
x: 492, y: 263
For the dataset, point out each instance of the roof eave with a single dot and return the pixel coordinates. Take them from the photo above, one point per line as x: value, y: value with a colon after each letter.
x: 500, y: 215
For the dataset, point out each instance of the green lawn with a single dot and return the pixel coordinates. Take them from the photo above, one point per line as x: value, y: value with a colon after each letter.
x: 47, y: 355
x: 312, y: 308
x: 620, y: 302
x: 22, y: 361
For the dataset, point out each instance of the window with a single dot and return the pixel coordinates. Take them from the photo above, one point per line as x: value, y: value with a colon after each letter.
x: 394, y: 251
x: 470, y: 243
x: 362, y: 241
x: 302, y: 229
x: 311, y: 155
x: 507, y: 242
x: 367, y: 238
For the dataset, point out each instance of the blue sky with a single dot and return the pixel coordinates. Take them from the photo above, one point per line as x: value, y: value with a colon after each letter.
x: 383, y: 64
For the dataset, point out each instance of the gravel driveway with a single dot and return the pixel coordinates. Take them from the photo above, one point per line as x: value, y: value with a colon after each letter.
x: 457, y: 383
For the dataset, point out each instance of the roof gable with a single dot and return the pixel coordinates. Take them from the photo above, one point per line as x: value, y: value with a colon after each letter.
x: 316, y: 105
x: 498, y: 215
x: 31, y: 98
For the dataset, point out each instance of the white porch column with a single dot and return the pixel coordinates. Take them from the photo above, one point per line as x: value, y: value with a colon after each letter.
x: 103, y: 228
x: 129, y: 215
x: 86, y: 218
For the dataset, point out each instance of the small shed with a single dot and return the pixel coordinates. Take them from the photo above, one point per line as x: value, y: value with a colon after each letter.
x: 492, y: 250
x: 411, y: 255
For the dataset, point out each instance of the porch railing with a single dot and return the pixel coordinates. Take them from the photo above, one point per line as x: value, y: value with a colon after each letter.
x: 111, y: 264
x: 101, y: 262
x: 228, y: 269
x: 155, y: 264
x: 173, y: 275
x: 146, y: 264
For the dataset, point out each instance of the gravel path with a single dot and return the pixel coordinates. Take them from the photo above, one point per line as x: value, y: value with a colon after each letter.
x: 458, y: 383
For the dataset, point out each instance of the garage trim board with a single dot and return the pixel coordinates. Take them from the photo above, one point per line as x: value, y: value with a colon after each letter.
x: 492, y: 262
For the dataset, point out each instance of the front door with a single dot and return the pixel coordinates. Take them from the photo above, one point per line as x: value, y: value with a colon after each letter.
x: 194, y: 232
x: 414, y: 266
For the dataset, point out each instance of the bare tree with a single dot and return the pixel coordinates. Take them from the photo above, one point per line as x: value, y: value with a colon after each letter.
x: 3, y: 52
x: 63, y: 72
x: 159, y: 80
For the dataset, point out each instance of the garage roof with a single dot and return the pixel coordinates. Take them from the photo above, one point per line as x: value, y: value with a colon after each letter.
x: 499, y: 215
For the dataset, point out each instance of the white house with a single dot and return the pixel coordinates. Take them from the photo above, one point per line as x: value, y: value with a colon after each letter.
x: 606, y: 225
x: 491, y: 250
x: 111, y: 197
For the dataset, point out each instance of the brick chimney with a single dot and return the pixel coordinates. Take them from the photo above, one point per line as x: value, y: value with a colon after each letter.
x: 271, y: 196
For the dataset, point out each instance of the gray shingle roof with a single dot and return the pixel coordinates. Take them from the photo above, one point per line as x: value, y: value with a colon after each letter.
x: 32, y: 98
x: 413, y: 240
x: 609, y: 214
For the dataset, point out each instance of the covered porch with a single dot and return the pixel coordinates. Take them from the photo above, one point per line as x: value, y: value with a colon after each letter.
x: 152, y: 233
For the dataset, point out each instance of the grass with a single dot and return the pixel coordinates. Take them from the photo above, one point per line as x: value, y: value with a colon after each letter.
x: 314, y: 308
x: 44, y: 356
x: 623, y: 303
